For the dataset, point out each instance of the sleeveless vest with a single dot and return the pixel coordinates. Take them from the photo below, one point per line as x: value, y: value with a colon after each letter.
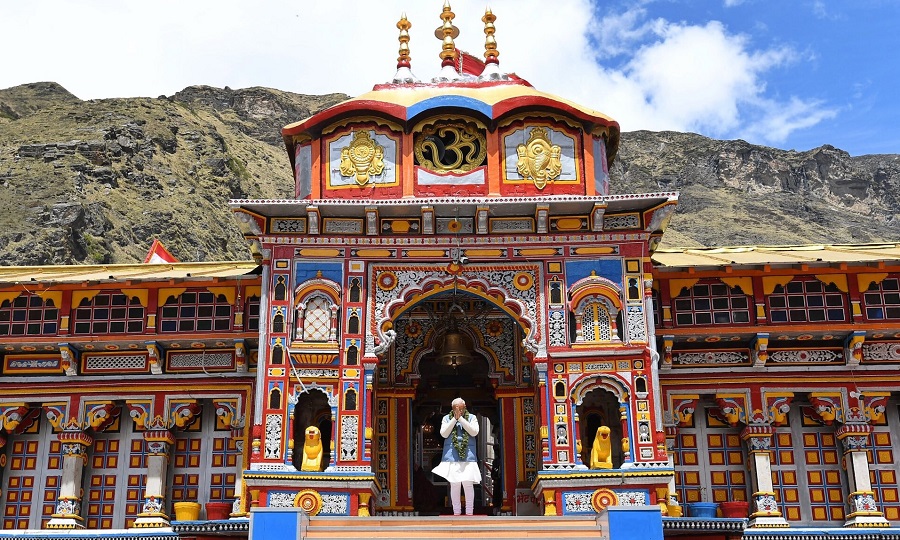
x: 451, y: 453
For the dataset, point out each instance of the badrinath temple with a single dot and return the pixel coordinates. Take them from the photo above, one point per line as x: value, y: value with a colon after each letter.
x: 455, y: 237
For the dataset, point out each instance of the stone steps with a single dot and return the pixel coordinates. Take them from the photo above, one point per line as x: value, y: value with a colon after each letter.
x: 497, y: 527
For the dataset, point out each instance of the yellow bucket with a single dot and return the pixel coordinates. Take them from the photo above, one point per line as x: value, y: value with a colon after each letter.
x: 187, y: 511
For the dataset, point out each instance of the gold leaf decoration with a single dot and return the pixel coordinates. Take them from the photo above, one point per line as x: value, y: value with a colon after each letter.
x: 362, y: 158
x: 538, y: 159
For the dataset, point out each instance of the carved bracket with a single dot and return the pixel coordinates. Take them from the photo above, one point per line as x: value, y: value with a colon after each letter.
x: 683, y: 408
x: 778, y: 406
x: 826, y: 408
x: 732, y: 408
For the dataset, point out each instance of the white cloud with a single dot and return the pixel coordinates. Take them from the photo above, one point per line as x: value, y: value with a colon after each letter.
x: 666, y: 75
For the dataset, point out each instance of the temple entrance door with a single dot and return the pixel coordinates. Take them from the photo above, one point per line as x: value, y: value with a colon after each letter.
x: 438, y: 387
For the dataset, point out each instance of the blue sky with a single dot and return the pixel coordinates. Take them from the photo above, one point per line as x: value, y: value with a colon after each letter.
x: 793, y: 74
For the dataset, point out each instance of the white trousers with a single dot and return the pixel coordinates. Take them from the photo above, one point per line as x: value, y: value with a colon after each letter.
x: 470, y: 497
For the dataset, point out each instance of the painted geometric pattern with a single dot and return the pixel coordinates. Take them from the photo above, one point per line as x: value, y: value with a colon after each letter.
x: 784, y: 475
x: 136, y: 481
x: 823, y: 476
x: 728, y: 478
x: 225, y: 457
x: 883, y: 473
x: 52, y: 482
x: 100, y: 497
x: 317, y: 320
x: 186, y: 456
x: 26, y: 479
x: 687, y: 466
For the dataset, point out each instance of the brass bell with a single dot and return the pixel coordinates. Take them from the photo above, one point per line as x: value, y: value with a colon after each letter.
x: 454, y: 351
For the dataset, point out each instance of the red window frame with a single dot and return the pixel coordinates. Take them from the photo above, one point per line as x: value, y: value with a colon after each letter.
x: 712, y: 303
x: 109, y: 313
x: 881, y: 301
x: 28, y: 315
x: 252, y: 311
x: 196, y: 311
x: 807, y: 300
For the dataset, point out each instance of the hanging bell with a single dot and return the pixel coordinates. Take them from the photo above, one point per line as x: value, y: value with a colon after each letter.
x: 454, y: 351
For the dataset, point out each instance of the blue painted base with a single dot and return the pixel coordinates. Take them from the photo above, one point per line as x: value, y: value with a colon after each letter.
x: 630, y: 522
x: 277, y: 523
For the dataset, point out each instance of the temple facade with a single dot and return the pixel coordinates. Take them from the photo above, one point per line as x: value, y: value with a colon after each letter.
x: 455, y: 238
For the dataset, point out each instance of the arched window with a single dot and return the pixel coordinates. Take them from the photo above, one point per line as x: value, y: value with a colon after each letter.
x: 350, y: 400
x: 280, y: 288
x: 596, y: 325
x: 275, y: 398
x: 278, y: 321
x: 352, y: 355
x: 317, y: 319
x: 355, y: 290
x: 278, y: 353
x: 353, y: 324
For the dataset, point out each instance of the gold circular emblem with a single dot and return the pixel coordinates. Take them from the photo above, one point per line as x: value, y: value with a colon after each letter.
x: 387, y: 281
x: 602, y: 498
x: 523, y: 281
x: 309, y: 501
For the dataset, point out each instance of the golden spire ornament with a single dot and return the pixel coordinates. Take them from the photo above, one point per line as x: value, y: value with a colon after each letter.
x: 491, y: 63
x: 404, y: 74
x: 447, y: 33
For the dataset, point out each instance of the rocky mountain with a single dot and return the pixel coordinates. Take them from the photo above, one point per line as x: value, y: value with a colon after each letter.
x: 95, y: 181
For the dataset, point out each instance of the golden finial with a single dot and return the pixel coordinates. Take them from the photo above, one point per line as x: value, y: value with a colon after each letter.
x: 447, y: 33
x: 404, y: 75
x: 403, y: 25
x: 490, y: 44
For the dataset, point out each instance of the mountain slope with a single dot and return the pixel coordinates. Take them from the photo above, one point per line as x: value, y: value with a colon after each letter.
x: 95, y: 181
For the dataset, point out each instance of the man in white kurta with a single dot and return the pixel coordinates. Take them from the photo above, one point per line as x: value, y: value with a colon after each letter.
x: 459, y: 463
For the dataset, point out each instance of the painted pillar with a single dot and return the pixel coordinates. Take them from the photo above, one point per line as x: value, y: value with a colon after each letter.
x: 864, y: 510
x: 759, y: 446
x: 68, y: 504
x: 153, y: 512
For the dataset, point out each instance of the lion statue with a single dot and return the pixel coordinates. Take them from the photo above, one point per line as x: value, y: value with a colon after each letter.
x: 601, y: 453
x: 312, y: 450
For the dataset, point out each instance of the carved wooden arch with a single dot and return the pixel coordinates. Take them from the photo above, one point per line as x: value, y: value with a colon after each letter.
x: 313, y: 288
x: 600, y: 381
x: 478, y: 346
x: 437, y: 282
x: 595, y: 286
x: 331, y: 290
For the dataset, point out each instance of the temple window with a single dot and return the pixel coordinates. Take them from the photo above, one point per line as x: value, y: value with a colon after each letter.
x: 280, y: 288
x: 317, y: 319
x: 252, y: 311
x: 355, y: 290
x: 807, y: 300
x: 353, y: 324
x: 278, y: 321
x: 28, y: 315
x: 109, y: 313
x: 711, y: 304
x: 657, y: 312
x: 196, y: 311
x: 352, y: 355
x: 594, y: 321
x: 882, y: 300
x: 556, y: 297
